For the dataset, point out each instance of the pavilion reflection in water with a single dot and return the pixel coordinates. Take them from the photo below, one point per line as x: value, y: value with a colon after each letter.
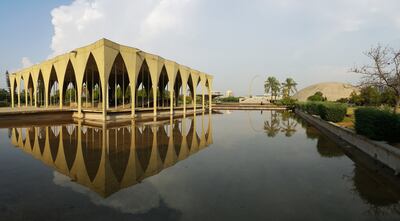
x: 109, y: 159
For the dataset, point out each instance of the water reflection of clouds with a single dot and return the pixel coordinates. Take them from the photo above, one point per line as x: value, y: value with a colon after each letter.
x: 138, y: 200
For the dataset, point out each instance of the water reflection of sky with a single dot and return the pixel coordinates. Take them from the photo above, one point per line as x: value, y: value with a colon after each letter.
x: 245, y: 165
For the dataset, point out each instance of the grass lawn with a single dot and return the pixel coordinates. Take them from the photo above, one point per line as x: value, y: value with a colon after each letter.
x: 348, y: 121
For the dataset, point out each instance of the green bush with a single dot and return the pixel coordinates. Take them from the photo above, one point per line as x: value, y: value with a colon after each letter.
x: 4, y: 104
x: 313, y: 107
x: 230, y: 99
x: 288, y: 102
x: 377, y: 124
x: 328, y: 111
x: 332, y: 112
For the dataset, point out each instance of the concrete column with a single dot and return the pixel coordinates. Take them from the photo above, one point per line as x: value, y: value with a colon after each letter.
x: 184, y: 100
x: 133, y: 100
x: 202, y: 99
x: 171, y: 101
x: 155, y: 100
x: 19, y: 96
x: 79, y: 91
x: 194, y: 99
x: 12, y: 95
x: 26, y: 97
x: 104, y: 98
x: 60, y: 89
x: 46, y: 96
x: 35, y: 96
x: 209, y: 98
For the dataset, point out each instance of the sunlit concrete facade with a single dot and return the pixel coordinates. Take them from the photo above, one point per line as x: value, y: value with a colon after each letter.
x: 107, y: 77
x: 107, y: 159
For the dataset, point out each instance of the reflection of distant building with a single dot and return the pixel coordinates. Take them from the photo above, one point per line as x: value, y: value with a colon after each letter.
x: 109, y: 159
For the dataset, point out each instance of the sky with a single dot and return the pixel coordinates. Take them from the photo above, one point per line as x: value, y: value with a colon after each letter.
x: 236, y: 41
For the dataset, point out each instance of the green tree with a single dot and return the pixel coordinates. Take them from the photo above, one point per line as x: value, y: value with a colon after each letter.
x: 384, y: 70
x: 70, y: 95
x: 272, y: 127
x: 388, y: 97
x: 318, y: 96
x: 355, y: 98
x: 288, y: 87
x: 370, y: 96
x: 272, y: 85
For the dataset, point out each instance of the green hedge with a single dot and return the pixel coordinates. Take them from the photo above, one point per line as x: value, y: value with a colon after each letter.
x: 4, y: 104
x: 377, y: 124
x: 332, y: 112
x: 328, y: 111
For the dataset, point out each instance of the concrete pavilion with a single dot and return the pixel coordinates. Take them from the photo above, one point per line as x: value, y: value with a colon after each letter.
x: 105, y: 78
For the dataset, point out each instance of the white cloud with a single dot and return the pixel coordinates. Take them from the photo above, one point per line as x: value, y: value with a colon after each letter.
x: 26, y: 62
x: 237, y: 39
x: 133, y: 22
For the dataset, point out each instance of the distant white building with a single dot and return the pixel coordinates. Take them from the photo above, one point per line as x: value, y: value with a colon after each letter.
x: 229, y: 93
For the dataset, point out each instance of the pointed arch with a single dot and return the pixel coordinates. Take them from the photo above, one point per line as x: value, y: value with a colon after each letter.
x: 91, y: 85
x: 144, y: 92
x: 40, y: 90
x: 70, y: 144
x: 31, y: 135
x: 162, y: 142
x: 54, y: 141
x: 92, y: 150
x: 15, y: 86
x: 54, y: 90
x: 163, y: 84
x: 30, y: 87
x: 42, y: 139
x: 70, y: 91
x: 176, y: 132
x: 119, y: 85
x: 119, y: 151
x: 144, y: 142
x: 178, y: 93
x: 22, y: 91
x: 190, y: 90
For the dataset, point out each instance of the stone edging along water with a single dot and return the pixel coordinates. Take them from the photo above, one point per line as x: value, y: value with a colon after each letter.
x: 380, y: 151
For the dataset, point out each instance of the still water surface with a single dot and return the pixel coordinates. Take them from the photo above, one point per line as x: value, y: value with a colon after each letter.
x: 236, y: 166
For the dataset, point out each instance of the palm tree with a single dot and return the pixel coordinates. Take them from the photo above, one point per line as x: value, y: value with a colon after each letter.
x: 272, y: 85
x: 289, y: 86
x: 272, y: 127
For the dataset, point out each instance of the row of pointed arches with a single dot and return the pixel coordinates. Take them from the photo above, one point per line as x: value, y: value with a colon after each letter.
x: 120, y: 94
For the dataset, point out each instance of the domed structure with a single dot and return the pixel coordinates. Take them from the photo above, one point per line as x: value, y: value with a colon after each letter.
x: 331, y: 90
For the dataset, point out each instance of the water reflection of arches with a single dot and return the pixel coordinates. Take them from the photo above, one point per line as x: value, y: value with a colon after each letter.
x: 70, y: 144
x: 108, y: 159
x: 92, y: 150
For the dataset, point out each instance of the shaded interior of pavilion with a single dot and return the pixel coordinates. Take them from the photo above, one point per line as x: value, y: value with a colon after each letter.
x: 120, y: 92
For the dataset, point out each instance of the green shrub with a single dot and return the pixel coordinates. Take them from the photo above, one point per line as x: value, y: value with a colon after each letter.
x: 332, y: 112
x: 4, y: 104
x: 318, y: 96
x: 328, y: 111
x: 288, y: 102
x: 230, y: 99
x: 377, y: 124
x: 313, y: 107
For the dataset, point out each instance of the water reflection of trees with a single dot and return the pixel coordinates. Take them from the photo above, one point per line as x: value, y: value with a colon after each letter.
x: 381, y: 196
x: 280, y: 121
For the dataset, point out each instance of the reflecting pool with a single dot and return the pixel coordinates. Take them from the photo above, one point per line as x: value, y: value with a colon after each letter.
x: 240, y: 165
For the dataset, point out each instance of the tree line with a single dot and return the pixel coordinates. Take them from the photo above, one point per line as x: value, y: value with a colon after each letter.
x: 275, y: 88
